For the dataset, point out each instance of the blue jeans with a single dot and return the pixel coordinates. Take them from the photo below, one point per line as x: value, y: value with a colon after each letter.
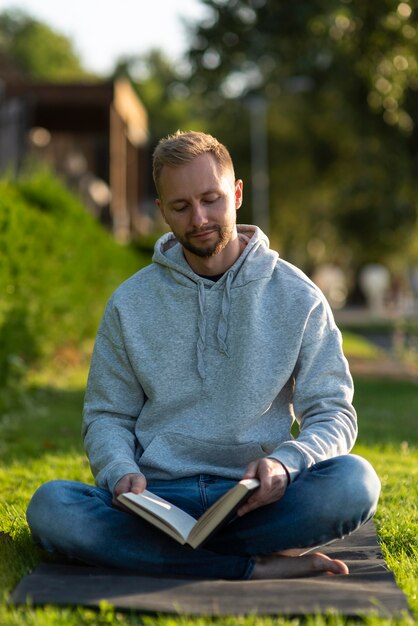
x: 327, y: 501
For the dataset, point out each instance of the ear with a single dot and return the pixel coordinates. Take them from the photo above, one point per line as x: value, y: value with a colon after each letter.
x: 160, y: 207
x: 238, y: 193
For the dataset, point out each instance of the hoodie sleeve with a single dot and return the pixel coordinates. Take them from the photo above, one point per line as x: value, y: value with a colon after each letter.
x: 114, y: 399
x: 322, y: 400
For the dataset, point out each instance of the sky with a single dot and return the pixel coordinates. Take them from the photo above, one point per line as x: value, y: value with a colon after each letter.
x: 104, y: 30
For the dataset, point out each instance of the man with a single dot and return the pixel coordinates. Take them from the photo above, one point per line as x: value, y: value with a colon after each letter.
x: 202, y: 362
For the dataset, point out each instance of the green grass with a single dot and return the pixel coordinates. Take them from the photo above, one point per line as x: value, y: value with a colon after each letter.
x: 40, y: 440
x: 357, y: 347
x: 402, y: 335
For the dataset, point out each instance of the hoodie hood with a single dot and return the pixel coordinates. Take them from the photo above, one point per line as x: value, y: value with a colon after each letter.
x: 256, y: 262
x: 169, y: 253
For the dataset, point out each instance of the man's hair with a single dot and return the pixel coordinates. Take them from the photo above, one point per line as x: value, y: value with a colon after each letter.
x: 184, y: 146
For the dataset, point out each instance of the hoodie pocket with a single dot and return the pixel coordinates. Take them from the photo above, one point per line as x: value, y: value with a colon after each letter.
x: 174, y: 455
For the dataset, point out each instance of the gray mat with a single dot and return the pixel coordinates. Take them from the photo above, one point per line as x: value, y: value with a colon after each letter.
x: 370, y: 588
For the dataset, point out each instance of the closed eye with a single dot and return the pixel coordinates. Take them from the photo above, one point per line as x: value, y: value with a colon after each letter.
x: 210, y: 199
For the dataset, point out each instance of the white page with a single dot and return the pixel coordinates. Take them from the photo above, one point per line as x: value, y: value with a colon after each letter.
x: 164, y: 510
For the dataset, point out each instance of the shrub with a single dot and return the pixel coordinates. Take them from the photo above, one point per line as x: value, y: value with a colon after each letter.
x: 58, y: 266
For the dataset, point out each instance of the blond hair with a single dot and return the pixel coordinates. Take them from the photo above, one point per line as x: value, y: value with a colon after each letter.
x: 184, y: 146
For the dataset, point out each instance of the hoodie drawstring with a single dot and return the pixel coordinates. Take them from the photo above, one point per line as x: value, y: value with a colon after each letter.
x: 224, y: 317
x: 201, y: 324
x: 222, y: 332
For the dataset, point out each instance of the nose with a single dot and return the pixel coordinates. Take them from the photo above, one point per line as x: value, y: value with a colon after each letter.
x: 199, y: 217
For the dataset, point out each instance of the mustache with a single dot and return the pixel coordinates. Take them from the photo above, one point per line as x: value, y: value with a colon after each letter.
x: 204, y: 229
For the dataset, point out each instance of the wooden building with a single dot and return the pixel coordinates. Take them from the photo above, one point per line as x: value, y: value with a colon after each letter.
x: 93, y: 134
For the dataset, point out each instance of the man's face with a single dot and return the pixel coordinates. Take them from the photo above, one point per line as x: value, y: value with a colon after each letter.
x: 199, y: 202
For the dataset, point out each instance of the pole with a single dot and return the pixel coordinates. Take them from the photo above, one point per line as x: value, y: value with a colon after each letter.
x: 259, y: 163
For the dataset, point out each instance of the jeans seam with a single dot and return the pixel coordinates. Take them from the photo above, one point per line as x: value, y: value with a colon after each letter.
x: 202, y: 491
x: 249, y: 569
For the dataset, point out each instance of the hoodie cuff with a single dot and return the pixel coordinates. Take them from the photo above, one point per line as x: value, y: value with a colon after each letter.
x: 291, y: 458
x: 110, y: 475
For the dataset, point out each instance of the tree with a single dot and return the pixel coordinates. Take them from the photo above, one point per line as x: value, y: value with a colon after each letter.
x: 163, y: 89
x: 340, y: 81
x: 39, y: 51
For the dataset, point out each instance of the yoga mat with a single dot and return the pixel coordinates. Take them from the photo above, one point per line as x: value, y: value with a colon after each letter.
x: 370, y: 588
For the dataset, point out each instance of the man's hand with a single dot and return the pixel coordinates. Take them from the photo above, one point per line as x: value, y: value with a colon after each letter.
x: 136, y: 483
x: 273, y: 483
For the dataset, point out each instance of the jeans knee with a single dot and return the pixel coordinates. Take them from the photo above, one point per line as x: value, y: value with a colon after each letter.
x: 41, y: 505
x: 361, y: 481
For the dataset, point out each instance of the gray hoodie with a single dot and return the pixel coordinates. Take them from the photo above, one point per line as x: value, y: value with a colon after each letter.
x: 190, y: 376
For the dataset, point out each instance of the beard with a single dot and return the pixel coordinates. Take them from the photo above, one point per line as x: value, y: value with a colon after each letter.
x: 224, y: 235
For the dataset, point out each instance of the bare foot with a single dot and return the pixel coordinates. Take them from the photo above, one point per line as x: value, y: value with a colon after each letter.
x: 278, y: 566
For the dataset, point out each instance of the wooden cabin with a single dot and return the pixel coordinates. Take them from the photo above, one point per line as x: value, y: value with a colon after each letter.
x: 95, y: 135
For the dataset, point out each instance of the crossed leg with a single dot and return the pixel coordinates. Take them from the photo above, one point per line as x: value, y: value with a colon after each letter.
x: 327, y: 501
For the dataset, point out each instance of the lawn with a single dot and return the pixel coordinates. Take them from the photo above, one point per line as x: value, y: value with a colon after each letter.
x: 40, y: 439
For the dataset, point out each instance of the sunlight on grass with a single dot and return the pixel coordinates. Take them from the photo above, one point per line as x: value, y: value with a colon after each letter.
x: 67, y: 369
x: 397, y: 514
x: 40, y: 440
x: 356, y: 347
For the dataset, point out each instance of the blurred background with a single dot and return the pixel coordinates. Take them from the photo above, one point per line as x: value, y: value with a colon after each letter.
x: 317, y: 102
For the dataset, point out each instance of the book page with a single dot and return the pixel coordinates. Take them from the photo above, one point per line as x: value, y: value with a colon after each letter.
x: 158, y: 509
x: 221, y: 510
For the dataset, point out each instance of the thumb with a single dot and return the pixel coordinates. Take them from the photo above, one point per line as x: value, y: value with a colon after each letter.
x: 138, y: 483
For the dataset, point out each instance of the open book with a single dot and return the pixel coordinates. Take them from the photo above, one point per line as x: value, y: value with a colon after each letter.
x: 179, y: 524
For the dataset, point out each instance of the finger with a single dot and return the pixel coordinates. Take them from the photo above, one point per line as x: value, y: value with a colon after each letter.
x: 138, y: 483
x: 262, y: 497
x: 127, y: 482
x: 266, y: 479
x: 255, y: 504
x: 257, y: 469
x: 255, y: 501
x: 249, y: 506
x: 122, y: 486
x: 251, y: 471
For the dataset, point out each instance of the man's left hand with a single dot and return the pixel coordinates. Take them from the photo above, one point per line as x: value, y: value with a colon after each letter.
x: 273, y: 483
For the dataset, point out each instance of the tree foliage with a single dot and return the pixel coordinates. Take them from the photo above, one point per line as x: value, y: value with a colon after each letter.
x: 340, y: 82
x: 39, y: 51
x: 163, y: 89
x: 341, y: 85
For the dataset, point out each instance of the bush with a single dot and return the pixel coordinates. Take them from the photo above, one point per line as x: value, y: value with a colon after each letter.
x: 57, y: 269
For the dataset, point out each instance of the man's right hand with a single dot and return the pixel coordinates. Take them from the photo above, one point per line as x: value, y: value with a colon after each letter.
x: 136, y: 483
